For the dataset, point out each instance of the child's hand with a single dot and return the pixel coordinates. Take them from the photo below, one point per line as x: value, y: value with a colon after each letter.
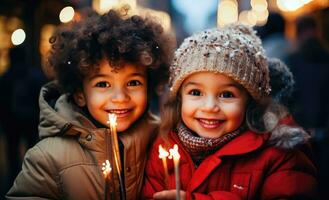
x: 169, y: 195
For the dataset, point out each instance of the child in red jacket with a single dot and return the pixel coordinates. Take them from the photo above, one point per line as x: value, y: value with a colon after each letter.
x: 235, y: 142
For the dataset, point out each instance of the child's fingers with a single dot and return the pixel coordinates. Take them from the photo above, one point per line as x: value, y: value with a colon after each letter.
x: 168, y: 195
x: 165, y: 195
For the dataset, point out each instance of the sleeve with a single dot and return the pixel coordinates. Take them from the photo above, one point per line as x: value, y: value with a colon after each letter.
x: 154, y: 174
x: 293, y: 176
x: 37, y: 178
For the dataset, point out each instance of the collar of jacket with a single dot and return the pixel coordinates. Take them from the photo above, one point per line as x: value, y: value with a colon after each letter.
x: 246, y: 142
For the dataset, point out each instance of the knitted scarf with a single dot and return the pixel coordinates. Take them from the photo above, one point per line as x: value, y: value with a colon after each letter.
x: 199, y: 147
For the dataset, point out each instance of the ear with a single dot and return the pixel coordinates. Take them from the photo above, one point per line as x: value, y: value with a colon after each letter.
x: 79, y: 98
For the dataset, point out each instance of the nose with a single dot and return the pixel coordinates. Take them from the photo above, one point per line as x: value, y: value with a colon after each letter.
x: 119, y: 95
x: 210, y: 105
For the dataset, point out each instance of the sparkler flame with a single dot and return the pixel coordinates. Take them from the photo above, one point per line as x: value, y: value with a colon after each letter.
x: 174, y: 152
x: 162, y: 152
x: 106, y: 168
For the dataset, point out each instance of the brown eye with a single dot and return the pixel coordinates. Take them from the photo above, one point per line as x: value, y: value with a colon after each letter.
x: 195, y: 93
x: 134, y: 83
x: 226, y: 95
x: 103, y: 84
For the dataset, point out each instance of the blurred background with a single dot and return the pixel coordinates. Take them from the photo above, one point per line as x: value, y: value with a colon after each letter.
x: 296, y: 31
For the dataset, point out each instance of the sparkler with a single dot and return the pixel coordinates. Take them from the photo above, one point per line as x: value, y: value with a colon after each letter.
x: 106, y: 168
x: 175, y: 156
x: 115, y: 150
x: 163, y: 154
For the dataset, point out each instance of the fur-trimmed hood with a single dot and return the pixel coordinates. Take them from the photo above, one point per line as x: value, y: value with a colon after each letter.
x: 287, y: 134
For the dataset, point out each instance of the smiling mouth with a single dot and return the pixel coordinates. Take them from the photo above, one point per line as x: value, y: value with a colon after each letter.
x: 120, y: 112
x: 210, y: 123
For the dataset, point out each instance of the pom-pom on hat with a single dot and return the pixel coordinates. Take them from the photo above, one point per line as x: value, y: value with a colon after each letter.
x: 234, y: 50
x: 281, y: 80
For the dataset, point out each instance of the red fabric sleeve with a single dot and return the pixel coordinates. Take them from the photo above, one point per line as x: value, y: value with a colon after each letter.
x: 293, y: 176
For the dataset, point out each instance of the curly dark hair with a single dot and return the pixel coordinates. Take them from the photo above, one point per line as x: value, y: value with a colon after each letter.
x: 77, y: 48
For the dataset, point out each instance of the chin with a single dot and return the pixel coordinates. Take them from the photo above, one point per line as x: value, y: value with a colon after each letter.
x: 122, y: 128
x: 217, y: 135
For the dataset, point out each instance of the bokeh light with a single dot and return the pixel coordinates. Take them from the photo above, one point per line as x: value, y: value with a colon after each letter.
x: 259, y: 5
x: 18, y: 37
x: 227, y: 12
x: 66, y: 14
x: 290, y: 5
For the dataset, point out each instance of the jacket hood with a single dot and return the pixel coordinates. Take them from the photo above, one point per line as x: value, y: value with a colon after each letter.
x: 287, y: 134
x: 58, y: 116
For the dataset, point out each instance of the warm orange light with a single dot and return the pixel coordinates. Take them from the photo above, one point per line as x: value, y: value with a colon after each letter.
x: 252, y: 18
x: 258, y: 5
x: 103, y: 6
x: 262, y: 17
x: 106, y: 168
x: 291, y: 5
x: 112, y: 120
x: 114, y: 138
x: 175, y: 156
x: 306, y: 1
x: 162, y: 152
x: 174, y: 153
x: 227, y: 12
x: 161, y: 17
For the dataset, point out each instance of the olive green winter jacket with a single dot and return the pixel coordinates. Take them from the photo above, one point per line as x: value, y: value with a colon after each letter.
x: 67, y: 162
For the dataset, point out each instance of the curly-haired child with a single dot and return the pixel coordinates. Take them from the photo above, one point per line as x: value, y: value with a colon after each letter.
x: 234, y: 141
x: 102, y: 64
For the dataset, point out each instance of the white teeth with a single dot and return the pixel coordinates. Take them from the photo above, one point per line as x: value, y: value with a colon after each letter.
x: 209, y: 122
x: 119, y: 111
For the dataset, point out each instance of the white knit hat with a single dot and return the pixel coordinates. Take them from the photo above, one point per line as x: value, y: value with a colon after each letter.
x: 234, y: 50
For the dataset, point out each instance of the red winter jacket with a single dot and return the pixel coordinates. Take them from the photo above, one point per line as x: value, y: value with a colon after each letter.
x: 245, y: 168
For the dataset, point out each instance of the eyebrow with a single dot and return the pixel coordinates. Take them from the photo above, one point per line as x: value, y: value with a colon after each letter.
x: 137, y: 74
x: 191, y: 83
x: 98, y: 76
x: 236, y: 85
x: 106, y: 75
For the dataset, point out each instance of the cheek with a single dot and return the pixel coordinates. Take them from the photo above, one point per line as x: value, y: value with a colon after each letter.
x: 188, y: 109
x: 183, y: 112
x: 234, y: 112
x: 143, y: 102
x: 140, y: 97
x: 95, y: 100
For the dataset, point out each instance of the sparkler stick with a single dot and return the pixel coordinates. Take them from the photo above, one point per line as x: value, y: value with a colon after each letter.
x: 163, y: 154
x: 115, y: 150
x: 175, y: 156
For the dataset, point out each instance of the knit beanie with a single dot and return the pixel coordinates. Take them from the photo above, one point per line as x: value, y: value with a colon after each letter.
x: 234, y: 51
